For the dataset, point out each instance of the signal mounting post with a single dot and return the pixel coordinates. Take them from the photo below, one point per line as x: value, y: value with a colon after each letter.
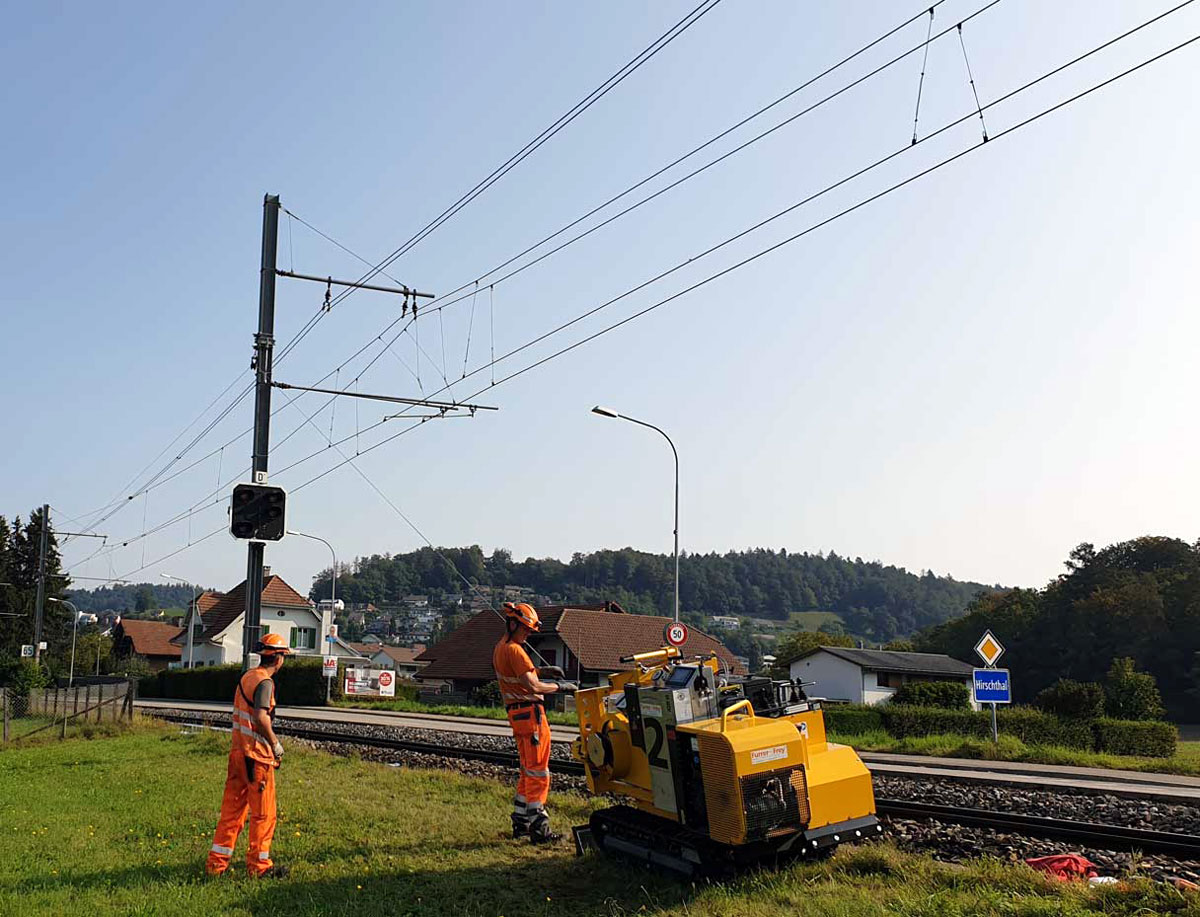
x: 264, y: 344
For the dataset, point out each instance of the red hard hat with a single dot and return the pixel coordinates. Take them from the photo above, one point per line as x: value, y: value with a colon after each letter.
x: 524, y: 613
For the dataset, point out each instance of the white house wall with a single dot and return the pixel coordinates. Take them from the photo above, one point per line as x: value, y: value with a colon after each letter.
x: 836, y: 679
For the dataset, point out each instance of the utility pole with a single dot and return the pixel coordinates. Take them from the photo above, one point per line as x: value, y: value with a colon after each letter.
x: 43, y: 550
x: 264, y: 344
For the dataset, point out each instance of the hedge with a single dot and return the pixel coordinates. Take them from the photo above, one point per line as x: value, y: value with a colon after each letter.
x: 852, y: 719
x: 298, y: 683
x: 1135, y: 737
x: 1033, y: 727
x: 952, y: 695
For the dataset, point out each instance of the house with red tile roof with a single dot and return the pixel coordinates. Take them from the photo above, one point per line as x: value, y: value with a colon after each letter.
x: 587, y: 641
x: 148, y: 639
x: 403, y: 659
x: 215, y: 628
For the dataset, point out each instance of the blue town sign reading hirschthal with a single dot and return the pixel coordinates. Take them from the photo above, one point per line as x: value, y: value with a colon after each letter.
x: 991, y: 686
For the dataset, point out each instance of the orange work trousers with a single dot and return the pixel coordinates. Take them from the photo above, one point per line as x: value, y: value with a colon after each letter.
x: 249, y: 787
x: 532, y: 733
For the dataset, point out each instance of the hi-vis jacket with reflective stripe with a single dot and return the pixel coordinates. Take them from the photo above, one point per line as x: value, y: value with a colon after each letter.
x: 246, y: 739
x: 510, y: 661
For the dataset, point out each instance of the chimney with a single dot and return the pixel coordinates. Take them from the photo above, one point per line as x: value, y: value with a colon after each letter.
x: 266, y: 571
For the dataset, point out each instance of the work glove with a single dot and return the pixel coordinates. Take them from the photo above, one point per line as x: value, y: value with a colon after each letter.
x: 548, y: 672
x: 278, y: 749
x: 564, y: 685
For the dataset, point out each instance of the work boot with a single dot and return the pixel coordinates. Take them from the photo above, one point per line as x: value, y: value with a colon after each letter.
x: 275, y: 872
x: 540, y: 833
x: 520, y: 827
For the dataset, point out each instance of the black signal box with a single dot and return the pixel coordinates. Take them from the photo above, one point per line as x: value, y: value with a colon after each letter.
x: 258, y: 512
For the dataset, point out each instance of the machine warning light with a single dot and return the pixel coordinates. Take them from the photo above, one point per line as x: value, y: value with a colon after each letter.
x: 257, y: 512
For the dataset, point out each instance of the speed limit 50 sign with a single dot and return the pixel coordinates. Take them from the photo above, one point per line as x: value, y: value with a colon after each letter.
x: 676, y: 633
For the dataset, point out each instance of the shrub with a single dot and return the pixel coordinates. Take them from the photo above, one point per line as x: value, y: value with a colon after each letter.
x: 299, y: 682
x: 952, y: 695
x: 1131, y: 695
x: 908, y: 722
x: 26, y: 676
x: 1073, y: 700
x: 487, y: 695
x: 1032, y: 727
x: 1035, y: 727
x: 853, y: 719
x: 1127, y: 737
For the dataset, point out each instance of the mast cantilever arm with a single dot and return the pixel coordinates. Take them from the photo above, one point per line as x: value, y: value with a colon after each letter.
x: 420, y: 402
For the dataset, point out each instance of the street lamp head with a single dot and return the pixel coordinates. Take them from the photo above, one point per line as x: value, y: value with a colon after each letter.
x: 605, y: 412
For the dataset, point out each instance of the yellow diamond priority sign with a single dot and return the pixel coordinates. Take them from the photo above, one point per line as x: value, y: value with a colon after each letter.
x: 989, y: 648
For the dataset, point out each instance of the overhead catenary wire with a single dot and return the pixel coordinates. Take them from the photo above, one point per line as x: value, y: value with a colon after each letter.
x: 843, y: 181
x: 971, y: 78
x: 412, y: 525
x: 532, y: 146
x: 872, y: 198
x: 844, y: 61
x: 921, y: 81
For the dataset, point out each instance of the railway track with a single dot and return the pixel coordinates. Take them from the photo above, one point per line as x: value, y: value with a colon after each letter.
x: 1087, y: 834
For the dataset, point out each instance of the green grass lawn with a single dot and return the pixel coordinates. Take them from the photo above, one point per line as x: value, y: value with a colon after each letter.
x: 1185, y: 761
x: 121, y: 825
x: 403, y: 705
x: 812, y: 620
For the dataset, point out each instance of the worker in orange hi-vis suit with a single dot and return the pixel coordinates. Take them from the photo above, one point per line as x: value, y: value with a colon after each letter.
x: 524, y: 698
x: 250, y: 782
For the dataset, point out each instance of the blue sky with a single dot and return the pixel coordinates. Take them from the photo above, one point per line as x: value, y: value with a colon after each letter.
x: 971, y: 375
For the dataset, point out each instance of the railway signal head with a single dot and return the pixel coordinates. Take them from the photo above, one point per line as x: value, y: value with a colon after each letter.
x: 258, y: 512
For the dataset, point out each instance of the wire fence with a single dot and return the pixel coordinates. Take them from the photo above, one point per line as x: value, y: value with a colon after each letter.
x: 60, y: 712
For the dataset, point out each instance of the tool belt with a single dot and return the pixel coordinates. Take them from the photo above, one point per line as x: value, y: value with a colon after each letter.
x: 521, y: 705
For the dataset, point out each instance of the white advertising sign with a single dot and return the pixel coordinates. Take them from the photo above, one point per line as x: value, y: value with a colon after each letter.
x: 365, y: 682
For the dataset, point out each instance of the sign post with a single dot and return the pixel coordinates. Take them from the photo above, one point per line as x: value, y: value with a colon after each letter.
x: 328, y: 667
x: 996, y: 689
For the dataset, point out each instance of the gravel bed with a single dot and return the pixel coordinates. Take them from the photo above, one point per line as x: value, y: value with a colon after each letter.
x: 558, y: 750
x: 955, y: 843
x: 1077, y: 805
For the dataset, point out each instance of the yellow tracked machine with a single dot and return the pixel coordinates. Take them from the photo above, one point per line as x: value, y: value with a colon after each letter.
x: 719, y: 771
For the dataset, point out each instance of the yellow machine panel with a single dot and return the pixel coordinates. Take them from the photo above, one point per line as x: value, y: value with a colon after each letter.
x: 715, y: 768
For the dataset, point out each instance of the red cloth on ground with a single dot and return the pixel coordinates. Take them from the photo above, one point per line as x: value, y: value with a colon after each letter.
x: 1065, y: 866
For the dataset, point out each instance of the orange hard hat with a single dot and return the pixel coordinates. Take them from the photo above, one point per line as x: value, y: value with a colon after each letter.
x: 272, y: 645
x: 524, y: 613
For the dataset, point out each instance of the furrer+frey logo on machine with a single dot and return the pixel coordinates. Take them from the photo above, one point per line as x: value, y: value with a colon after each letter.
x: 763, y: 755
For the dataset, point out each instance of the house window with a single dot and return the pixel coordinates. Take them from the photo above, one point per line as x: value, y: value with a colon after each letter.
x: 197, y: 630
x: 303, y: 638
x: 263, y: 630
x: 889, y: 679
x: 551, y: 656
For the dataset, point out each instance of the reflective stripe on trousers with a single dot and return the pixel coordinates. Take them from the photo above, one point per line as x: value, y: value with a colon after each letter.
x: 249, y: 790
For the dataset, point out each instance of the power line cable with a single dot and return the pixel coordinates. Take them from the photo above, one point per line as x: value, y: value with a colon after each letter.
x: 533, y: 145
x: 898, y: 185
x: 779, y: 214
x: 611, y: 200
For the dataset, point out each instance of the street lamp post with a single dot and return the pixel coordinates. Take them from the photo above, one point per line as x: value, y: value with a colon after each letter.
x: 191, y: 626
x: 74, y: 633
x: 609, y: 412
x: 332, y: 602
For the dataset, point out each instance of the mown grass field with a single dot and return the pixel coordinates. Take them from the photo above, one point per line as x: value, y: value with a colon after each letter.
x: 812, y: 620
x: 121, y: 825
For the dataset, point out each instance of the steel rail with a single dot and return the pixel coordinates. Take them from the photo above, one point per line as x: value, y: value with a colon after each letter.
x: 1105, y: 837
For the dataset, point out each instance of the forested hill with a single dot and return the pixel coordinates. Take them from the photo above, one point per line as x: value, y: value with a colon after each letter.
x: 875, y: 601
